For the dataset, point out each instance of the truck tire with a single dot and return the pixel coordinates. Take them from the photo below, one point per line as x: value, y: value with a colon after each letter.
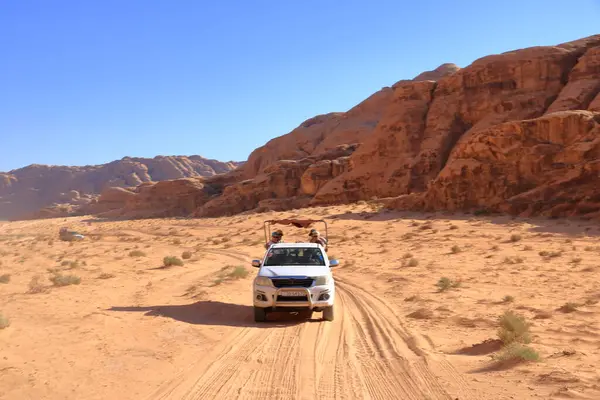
x: 328, y: 313
x: 260, y: 314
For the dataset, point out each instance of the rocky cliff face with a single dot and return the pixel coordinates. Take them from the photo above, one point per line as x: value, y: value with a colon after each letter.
x: 62, y: 189
x: 515, y: 132
x: 422, y: 140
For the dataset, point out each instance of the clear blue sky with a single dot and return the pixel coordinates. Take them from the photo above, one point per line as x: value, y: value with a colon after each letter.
x: 87, y: 82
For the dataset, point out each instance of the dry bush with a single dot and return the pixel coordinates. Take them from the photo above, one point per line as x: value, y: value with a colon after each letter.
x: 35, y: 285
x: 4, y: 278
x: 230, y: 272
x: 517, y: 352
x: 455, y: 249
x: 446, y: 283
x: 169, y: 261
x: 64, y: 280
x: 515, y: 238
x: 513, y: 260
x: 550, y: 254
x: 508, y: 299
x: 186, y: 255
x: 4, y: 322
x: 513, y: 328
x: 137, y: 253
x: 410, y: 262
x: 238, y: 272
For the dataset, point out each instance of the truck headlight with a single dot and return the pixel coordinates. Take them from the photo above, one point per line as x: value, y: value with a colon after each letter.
x: 322, y: 280
x: 263, y: 281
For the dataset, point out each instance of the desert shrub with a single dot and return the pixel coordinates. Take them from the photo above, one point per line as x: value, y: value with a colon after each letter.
x: 4, y: 322
x: 413, y: 262
x: 186, y: 255
x: 513, y: 260
x: 238, y: 272
x: 515, y: 238
x: 517, y: 352
x: 550, y: 254
x: 446, y: 283
x: 64, y: 280
x: 508, y: 299
x: 4, y: 278
x: 35, y: 285
x: 169, y: 261
x: 137, y: 253
x: 513, y: 328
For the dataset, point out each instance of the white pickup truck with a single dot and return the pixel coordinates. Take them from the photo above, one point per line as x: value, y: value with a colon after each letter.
x: 294, y: 277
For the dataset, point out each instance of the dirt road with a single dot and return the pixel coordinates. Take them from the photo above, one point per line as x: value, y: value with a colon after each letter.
x: 365, y: 353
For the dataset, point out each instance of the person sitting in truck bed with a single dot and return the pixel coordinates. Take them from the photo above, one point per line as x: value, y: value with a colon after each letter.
x: 315, y: 237
x: 276, y: 237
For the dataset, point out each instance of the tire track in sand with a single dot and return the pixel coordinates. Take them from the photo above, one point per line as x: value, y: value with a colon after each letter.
x: 365, y: 353
x: 234, y: 347
x: 397, y: 345
x: 386, y: 373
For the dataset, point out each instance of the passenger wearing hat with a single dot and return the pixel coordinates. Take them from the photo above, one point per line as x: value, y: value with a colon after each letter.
x: 276, y: 237
x: 315, y: 237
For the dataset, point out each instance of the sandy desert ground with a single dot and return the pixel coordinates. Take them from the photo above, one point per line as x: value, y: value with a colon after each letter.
x: 130, y: 328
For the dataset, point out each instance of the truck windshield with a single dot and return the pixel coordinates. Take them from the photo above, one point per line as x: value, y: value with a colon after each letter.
x: 295, y: 256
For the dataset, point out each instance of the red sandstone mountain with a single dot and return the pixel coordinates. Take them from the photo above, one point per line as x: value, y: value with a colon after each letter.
x: 516, y: 132
x: 25, y: 190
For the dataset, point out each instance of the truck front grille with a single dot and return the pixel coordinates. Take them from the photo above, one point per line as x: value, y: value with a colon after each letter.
x: 292, y: 282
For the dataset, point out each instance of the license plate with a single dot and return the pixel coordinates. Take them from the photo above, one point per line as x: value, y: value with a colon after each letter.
x: 292, y: 294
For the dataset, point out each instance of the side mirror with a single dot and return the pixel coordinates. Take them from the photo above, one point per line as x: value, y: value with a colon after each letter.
x: 256, y: 263
x: 334, y: 263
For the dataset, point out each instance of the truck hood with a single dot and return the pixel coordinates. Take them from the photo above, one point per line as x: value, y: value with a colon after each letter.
x: 312, y: 270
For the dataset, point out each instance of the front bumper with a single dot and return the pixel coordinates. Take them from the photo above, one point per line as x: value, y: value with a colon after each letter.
x: 315, y: 297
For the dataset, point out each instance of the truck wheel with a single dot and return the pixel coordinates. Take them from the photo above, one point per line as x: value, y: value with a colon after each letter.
x: 260, y: 314
x: 328, y: 313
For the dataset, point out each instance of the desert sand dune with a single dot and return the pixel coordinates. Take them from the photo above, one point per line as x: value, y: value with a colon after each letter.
x: 104, y: 318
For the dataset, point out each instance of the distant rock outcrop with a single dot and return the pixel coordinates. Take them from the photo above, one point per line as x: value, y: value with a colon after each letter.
x: 24, y: 191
